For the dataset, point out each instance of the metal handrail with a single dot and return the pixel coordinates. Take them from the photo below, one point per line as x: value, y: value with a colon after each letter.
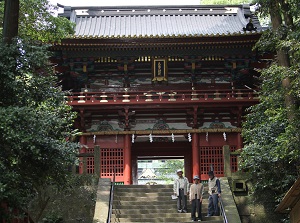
x: 111, y: 198
x: 223, y: 211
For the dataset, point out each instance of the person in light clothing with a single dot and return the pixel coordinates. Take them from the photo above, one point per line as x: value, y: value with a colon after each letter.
x: 181, y: 190
x: 214, y: 191
x: 196, y: 192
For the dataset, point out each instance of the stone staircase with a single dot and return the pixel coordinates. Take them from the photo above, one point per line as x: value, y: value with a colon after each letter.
x: 151, y: 203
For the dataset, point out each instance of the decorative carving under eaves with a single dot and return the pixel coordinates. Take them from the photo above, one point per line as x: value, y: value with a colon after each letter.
x: 105, y: 126
x: 217, y: 125
x: 126, y: 119
x: 161, y: 125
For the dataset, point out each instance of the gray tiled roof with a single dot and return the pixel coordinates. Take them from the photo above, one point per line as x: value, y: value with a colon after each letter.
x: 163, y: 22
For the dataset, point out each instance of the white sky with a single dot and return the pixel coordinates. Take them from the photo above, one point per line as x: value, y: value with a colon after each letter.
x: 123, y: 2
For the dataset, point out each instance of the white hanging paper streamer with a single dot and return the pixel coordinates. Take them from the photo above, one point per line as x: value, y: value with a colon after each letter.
x: 206, y: 137
x: 116, y: 140
x: 132, y: 138
x: 224, y: 136
x: 189, y: 137
x: 94, y: 139
x: 150, y: 137
x: 173, y: 138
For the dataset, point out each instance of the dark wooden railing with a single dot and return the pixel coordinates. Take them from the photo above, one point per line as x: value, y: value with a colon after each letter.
x: 111, y: 198
x: 178, y: 96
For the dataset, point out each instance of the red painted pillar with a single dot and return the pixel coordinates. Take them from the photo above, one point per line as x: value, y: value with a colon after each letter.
x: 82, y: 141
x: 127, y: 160
x: 195, y: 154
x: 188, y: 166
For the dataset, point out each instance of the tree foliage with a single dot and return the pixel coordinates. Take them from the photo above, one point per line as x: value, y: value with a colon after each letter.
x: 170, y: 167
x: 37, y: 21
x: 271, y: 130
x: 35, y: 120
x: 34, y: 125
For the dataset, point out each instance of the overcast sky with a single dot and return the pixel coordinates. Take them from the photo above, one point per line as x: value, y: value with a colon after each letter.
x: 123, y: 2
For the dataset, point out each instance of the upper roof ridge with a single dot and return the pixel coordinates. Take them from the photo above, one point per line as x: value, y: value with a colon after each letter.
x: 159, y: 21
x: 151, y: 10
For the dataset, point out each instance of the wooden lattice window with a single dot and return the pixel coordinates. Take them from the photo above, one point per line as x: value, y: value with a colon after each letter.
x: 211, y: 157
x: 90, y: 162
x: 233, y: 160
x: 112, y: 159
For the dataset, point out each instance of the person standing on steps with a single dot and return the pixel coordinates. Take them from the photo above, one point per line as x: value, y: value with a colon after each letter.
x: 214, y: 191
x: 181, y: 190
x: 196, y: 192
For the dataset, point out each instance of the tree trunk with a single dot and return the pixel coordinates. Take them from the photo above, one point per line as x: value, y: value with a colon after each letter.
x: 11, y: 20
x: 282, y: 55
x: 288, y: 18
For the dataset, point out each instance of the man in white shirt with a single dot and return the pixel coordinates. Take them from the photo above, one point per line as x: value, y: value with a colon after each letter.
x: 181, y: 190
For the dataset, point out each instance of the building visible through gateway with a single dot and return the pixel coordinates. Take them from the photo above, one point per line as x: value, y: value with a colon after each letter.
x: 160, y: 81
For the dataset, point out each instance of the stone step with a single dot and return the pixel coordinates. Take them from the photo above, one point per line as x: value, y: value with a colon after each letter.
x: 163, y: 215
x: 159, y: 219
x: 162, y: 196
x: 145, y: 190
x: 185, y: 221
x: 153, y: 209
x: 149, y: 210
x: 149, y: 203
x: 142, y: 193
x: 147, y: 199
x: 170, y: 186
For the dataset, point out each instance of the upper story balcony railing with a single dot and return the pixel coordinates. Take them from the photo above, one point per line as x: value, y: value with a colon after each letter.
x: 155, y: 97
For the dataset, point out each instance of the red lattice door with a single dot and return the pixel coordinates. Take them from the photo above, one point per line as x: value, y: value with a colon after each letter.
x: 211, y: 157
x: 233, y: 160
x: 112, y: 159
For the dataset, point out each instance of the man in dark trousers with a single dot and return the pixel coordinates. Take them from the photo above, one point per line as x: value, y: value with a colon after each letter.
x: 181, y: 190
x: 214, y: 191
x: 196, y: 191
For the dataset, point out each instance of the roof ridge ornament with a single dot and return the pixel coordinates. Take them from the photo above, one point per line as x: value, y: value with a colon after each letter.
x: 249, y: 27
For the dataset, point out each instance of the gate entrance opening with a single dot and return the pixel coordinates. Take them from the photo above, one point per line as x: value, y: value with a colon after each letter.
x: 157, y: 170
x: 142, y: 151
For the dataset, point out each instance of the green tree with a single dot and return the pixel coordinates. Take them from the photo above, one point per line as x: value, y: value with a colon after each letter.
x: 271, y: 130
x: 34, y: 125
x: 170, y: 167
x: 36, y: 21
x: 35, y: 120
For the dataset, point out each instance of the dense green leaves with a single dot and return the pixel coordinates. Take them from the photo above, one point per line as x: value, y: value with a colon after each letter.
x: 35, y: 121
x: 34, y: 125
x: 271, y: 130
x: 171, y: 166
x: 37, y: 21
